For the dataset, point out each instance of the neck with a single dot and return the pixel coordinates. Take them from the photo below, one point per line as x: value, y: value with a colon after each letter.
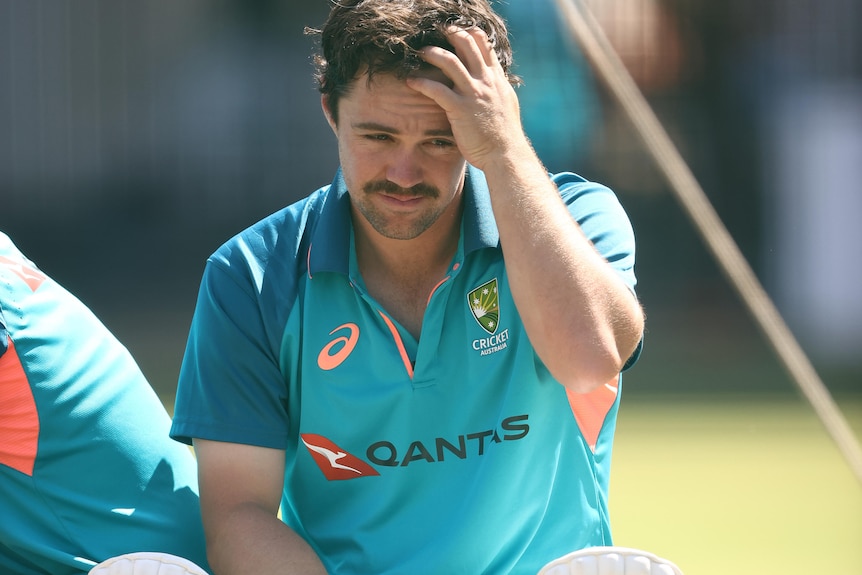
x: 427, y: 254
x: 419, y: 257
x: 401, y: 274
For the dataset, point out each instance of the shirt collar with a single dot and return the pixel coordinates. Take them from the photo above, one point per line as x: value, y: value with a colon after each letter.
x: 330, y: 246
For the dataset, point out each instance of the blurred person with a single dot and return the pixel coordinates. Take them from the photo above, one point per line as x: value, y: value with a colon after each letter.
x: 560, y: 105
x: 87, y: 469
x: 419, y: 364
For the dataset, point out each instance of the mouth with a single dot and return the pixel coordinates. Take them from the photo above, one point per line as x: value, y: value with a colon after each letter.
x: 401, y: 197
x: 398, y: 194
x: 399, y: 201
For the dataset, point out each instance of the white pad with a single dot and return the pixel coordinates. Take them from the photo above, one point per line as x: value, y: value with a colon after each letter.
x: 147, y: 563
x: 610, y: 561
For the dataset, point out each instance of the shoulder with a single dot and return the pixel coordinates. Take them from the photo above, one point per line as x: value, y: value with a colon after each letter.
x: 274, y: 245
x: 255, y: 277
x: 585, y: 197
x: 574, y: 187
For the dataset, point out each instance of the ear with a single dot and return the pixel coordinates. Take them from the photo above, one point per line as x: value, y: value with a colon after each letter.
x: 327, y: 111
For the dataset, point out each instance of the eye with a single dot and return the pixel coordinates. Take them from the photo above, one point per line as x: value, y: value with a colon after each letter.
x: 378, y: 137
x: 442, y: 143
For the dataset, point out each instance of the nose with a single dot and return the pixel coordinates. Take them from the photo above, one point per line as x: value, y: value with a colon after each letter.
x: 404, y: 169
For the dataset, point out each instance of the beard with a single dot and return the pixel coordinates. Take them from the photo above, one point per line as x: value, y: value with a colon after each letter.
x: 398, y: 226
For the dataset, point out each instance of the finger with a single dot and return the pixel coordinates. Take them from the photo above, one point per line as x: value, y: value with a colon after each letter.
x: 472, y: 47
x: 435, y: 90
x: 449, y: 63
x: 483, y: 44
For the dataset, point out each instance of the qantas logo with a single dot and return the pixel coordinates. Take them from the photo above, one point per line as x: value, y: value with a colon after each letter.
x: 31, y: 276
x: 336, y: 351
x: 337, y: 464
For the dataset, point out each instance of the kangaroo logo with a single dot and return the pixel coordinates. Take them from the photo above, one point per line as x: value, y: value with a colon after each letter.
x: 335, y: 463
x: 484, y: 304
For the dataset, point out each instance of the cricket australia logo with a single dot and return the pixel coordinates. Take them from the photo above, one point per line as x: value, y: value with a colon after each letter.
x: 485, y: 305
x: 484, y: 302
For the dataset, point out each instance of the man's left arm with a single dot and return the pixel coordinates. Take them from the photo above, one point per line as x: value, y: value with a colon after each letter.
x: 582, y: 320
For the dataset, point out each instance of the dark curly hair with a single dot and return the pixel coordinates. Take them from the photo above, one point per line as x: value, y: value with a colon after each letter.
x: 384, y: 36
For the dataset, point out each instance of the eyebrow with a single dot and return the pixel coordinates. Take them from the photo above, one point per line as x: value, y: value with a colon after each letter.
x: 375, y: 127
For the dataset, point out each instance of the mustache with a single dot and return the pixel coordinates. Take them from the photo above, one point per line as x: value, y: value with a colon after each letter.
x: 391, y: 189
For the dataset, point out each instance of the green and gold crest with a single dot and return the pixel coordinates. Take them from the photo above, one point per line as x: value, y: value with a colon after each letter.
x: 485, y: 305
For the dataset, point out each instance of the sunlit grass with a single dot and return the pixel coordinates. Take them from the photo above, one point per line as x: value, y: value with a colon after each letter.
x: 742, y: 486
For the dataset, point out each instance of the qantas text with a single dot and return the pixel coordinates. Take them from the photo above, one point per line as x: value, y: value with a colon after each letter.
x: 387, y: 454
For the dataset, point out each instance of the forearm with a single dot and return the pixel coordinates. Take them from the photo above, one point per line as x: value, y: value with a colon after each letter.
x: 581, y: 318
x: 249, y: 539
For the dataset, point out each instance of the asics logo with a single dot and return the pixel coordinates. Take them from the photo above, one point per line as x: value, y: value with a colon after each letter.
x: 335, y: 463
x: 336, y: 351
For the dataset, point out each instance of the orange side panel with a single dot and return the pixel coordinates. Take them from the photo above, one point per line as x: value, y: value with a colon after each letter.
x: 19, y: 420
x: 590, y: 409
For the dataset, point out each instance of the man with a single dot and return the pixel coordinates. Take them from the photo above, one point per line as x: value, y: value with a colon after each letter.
x: 87, y: 470
x: 420, y: 362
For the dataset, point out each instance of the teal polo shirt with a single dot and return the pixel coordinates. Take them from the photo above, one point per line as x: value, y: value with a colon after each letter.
x: 87, y: 470
x: 456, y: 453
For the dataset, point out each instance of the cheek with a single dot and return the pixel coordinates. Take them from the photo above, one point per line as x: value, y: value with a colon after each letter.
x: 358, y: 169
x: 353, y: 159
x: 359, y: 152
x: 456, y: 171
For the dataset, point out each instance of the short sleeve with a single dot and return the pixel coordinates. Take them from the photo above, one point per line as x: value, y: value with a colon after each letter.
x: 230, y: 386
x: 604, y: 221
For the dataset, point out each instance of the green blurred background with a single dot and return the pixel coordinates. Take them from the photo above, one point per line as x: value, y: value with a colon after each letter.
x: 136, y: 136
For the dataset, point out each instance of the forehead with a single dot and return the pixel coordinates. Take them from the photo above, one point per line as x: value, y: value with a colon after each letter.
x: 387, y: 96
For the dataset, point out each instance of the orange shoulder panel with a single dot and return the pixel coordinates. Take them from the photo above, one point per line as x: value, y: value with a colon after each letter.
x: 19, y: 420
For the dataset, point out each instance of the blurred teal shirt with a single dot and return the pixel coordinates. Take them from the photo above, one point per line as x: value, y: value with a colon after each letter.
x: 456, y: 453
x: 560, y: 102
x: 87, y: 469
